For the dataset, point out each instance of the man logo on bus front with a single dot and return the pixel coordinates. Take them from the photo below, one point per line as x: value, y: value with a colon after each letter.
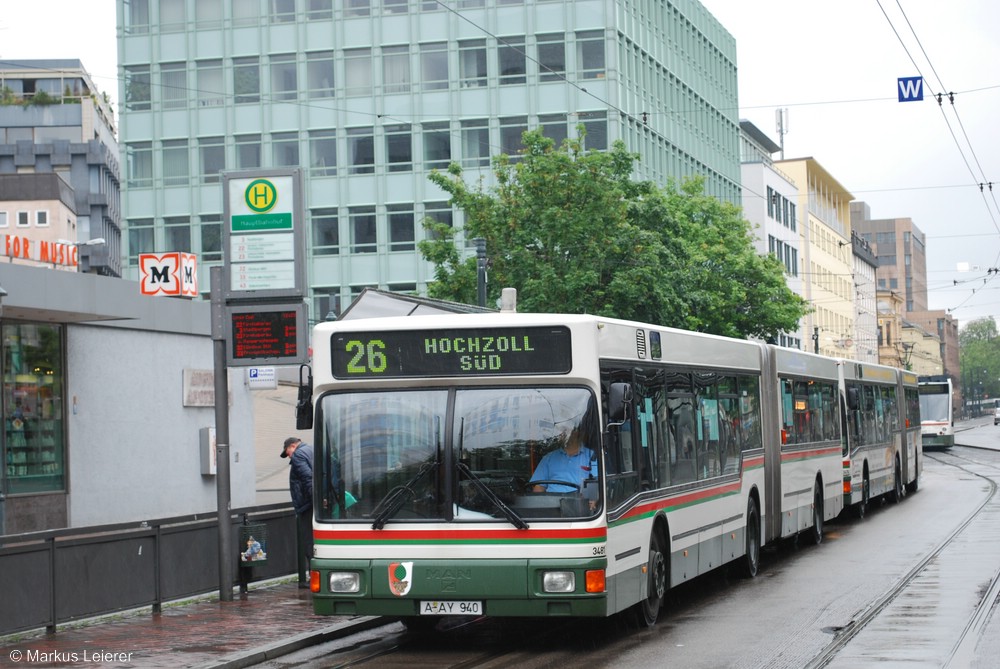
x: 400, y: 577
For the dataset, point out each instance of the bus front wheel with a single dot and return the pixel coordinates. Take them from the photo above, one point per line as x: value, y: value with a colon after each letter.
x: 656, y: 584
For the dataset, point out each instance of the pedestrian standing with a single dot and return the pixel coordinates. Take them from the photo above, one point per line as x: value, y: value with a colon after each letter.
x: 300, y: 484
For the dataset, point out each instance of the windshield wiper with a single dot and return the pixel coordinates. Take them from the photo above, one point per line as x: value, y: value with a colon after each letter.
x: 515, y: 519
x: 396, y: 497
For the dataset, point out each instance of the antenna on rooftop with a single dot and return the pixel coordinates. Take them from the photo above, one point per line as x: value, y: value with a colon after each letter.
x: 781, y: 127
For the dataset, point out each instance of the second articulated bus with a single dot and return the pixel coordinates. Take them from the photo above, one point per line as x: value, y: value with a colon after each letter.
x: 696, y: 451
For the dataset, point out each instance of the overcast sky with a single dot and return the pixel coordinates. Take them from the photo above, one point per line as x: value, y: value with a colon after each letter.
x: 832, y: 65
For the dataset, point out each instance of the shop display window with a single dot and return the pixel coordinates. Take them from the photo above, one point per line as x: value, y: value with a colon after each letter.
x: 34, y: 446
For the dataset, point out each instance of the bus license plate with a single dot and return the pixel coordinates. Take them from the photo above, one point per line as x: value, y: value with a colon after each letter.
x: 451, y: 608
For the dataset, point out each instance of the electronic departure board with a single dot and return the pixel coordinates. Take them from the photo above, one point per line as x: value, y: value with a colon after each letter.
x: 272, y: 334
x: 494, y: 351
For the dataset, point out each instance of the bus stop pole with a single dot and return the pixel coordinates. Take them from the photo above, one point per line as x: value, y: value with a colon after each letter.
x: 222, y: 492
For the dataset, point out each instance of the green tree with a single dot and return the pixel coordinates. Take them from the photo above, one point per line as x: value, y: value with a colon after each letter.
x: 574, y: 233
x: 979, y: 357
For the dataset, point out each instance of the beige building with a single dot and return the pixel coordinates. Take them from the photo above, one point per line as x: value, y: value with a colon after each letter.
x: 38, y: 221
x: 923, y: 350
x: 827, y: 257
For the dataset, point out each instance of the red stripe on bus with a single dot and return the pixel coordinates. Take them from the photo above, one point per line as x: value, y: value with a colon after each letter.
x: 599, y: 533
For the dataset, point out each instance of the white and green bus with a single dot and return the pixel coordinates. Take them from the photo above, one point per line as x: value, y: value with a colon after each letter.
x: 675, y: 453
x: 882, y: 453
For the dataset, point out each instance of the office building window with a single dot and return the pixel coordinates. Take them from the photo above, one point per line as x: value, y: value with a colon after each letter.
x: 246, y: 12
x: 395, y: 6
x: 319, y: 74
x: 319, y: 10
x: 137, y: 17
x: 284, y: 80
x: 212, y: 155
x: 211, y: 238
x: 554, y: 127
x: 472, y: 62
x: 437, y: 145
x: 140, y: 238
x: 396, y: 69
x: 3, y: 219
x: 175, y: 162
x: 42, y: 218
x: 208, y: 14
x: 471, y: 4
x: 171, y: 15
x: 246, y: 80
x: 33, y: 407
x: 590, y: 54
x: 323, y: 152
x: 551, y: 57
x: 401, y: 229
x: 434, y: 66
x: 173, y: 85
x: 325, y: 232
x: 511, y: 131
x: 137, y: 92
x: 475, y: 143
x: 363, y: 229
x: 361, y: 150
x: 247, y: 151
x: 596, y: 126
x: 357, y: 71
x: 211, y: 88
x: 357, y: 7
x: 139, y: 158
x: 438, y: 212
x: 177, y: 233
x: 399, y: 148
x: 282, y: 11
x: 285, y: 149
x: 511, y: 60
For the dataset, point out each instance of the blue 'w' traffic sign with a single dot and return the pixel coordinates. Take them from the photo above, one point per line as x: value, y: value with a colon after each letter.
x: 911, y: 89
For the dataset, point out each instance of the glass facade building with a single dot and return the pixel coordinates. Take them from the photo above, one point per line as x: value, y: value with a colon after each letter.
x: 368, y: 96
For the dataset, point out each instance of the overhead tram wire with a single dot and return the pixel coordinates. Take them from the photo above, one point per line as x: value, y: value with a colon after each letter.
x: 981, y: 179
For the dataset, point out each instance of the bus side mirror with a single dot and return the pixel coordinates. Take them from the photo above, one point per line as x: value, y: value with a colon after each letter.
x: 304, y: 407
x: 619, y: 397
x: 852, y: 399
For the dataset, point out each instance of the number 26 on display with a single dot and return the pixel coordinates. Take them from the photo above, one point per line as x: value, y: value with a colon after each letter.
x: 367, y: 357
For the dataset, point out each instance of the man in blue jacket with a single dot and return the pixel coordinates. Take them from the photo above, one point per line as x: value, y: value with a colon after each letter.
x: 300, y: 484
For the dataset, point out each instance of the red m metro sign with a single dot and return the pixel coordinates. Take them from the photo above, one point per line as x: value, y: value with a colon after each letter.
x: 169, y: 274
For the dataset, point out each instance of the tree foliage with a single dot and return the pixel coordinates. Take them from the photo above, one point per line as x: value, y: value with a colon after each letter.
x: 574, y: 233
x: 979, y: 353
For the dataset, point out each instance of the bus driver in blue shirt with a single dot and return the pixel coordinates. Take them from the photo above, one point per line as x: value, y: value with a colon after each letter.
x: 573, y: 463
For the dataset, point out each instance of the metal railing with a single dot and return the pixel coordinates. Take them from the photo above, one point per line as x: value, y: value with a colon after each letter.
x: 58, y: 576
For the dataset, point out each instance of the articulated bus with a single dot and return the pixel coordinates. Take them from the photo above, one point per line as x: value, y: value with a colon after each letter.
x: 936, y: 412
x: 882, y: 454
x: 432, y: 434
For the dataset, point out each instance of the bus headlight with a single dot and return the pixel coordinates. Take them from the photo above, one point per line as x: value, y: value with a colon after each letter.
x: 345, y: 581
x: 559, y: 581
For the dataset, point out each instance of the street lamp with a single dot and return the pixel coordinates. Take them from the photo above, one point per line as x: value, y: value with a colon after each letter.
x: 96, y: 241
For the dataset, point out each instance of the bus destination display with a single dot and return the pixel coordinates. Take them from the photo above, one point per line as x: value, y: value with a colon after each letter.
x: 473, y: 352
x: 264, y: 334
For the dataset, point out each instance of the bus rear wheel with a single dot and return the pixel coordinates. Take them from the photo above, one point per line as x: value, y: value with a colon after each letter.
x: 648, y: 610
x: 816, y: 533
x: 897, y: 487
x: 861, y: 508
x: 751, y: 558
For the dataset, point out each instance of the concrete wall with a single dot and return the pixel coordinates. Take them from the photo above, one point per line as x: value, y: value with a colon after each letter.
x: 134, y: 448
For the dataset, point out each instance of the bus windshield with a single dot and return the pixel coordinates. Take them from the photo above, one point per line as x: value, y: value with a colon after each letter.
x: 935, y: 408
x: 471, y: 454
